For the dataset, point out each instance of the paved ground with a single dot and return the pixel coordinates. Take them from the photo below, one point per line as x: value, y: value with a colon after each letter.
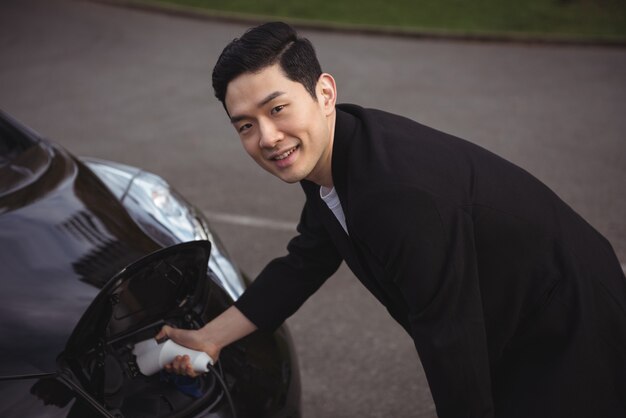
x: 135, y: 87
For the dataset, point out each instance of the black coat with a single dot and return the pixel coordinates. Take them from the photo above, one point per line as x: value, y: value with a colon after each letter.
x: 516, y: 305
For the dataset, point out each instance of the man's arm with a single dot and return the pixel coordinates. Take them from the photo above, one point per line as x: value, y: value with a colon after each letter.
x: 287, y: 282
x: 281, y: 288
x: 228, y: 327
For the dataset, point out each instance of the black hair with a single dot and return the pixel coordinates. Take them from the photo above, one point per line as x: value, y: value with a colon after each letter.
x: 263, y: 46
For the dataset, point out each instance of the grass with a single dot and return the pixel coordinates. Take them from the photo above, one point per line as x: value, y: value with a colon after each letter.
x: 580, y: 19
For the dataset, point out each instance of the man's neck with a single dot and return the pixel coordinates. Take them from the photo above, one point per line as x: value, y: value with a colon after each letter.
x: 324, y: 176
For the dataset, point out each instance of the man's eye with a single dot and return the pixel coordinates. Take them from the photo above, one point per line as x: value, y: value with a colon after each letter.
x: 277, y: 109
x: 244, y: 127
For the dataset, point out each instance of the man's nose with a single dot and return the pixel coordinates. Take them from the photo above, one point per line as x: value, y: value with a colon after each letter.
x: 270, y: 135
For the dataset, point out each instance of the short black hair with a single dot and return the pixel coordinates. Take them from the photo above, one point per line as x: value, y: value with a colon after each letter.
x: 261, y: 47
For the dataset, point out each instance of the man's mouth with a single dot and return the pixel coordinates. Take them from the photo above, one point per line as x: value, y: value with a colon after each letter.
x: 285, y: 154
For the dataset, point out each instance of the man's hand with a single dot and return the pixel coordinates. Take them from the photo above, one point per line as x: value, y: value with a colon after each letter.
x: 228, y: 327
x: 191, y: 339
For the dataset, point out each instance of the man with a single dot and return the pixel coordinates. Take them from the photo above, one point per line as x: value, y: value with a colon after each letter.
x: 516, y: 306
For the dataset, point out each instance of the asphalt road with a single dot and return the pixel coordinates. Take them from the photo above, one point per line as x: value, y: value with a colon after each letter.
x: 134, y: 87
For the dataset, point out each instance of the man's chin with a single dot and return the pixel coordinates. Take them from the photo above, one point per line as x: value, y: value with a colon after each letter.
x: 289, y: 177
x: 290, y: 180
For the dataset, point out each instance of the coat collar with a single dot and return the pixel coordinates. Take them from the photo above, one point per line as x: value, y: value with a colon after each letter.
x: 346, y: 126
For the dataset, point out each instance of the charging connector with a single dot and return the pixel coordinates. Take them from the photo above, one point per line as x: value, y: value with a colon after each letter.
x: 152, y: 357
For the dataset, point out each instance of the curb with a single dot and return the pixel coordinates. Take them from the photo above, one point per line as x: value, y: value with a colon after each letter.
x: 372, y: 30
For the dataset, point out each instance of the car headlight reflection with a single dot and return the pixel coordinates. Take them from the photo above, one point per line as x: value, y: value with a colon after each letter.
x: 164, y: 215
x: 163, y: 209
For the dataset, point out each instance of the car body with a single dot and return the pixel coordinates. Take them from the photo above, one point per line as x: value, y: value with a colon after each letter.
x: 96, y: 256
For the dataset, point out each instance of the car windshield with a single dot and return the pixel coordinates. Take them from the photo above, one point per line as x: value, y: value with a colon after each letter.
x: 22, y: 158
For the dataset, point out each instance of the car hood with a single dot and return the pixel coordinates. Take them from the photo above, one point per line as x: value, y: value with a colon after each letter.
x: 61, y: 238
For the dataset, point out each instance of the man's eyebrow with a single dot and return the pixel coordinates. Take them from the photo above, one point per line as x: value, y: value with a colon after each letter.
x: 235, y: 119
x: 269, y: 98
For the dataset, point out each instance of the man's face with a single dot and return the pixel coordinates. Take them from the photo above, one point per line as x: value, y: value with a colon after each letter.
x: 281, y: 126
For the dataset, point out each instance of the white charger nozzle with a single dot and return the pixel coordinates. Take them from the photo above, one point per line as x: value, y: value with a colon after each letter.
x: 152, y: 356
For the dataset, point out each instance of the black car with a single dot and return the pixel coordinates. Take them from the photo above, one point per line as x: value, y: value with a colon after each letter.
x: 96, y: 256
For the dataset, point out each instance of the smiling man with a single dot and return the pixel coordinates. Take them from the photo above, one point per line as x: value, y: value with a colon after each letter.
x: 516, y: 305
x: 285, y: 131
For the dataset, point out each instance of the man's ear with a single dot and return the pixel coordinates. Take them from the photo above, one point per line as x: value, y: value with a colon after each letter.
x: 327, y: 92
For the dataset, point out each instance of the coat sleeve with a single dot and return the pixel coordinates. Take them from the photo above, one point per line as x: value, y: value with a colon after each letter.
x: 426, y: 251
x: 287, y: 282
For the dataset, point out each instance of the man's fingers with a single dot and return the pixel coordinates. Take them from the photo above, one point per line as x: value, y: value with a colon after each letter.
x: 164, y: 333
x: 181, y: 364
